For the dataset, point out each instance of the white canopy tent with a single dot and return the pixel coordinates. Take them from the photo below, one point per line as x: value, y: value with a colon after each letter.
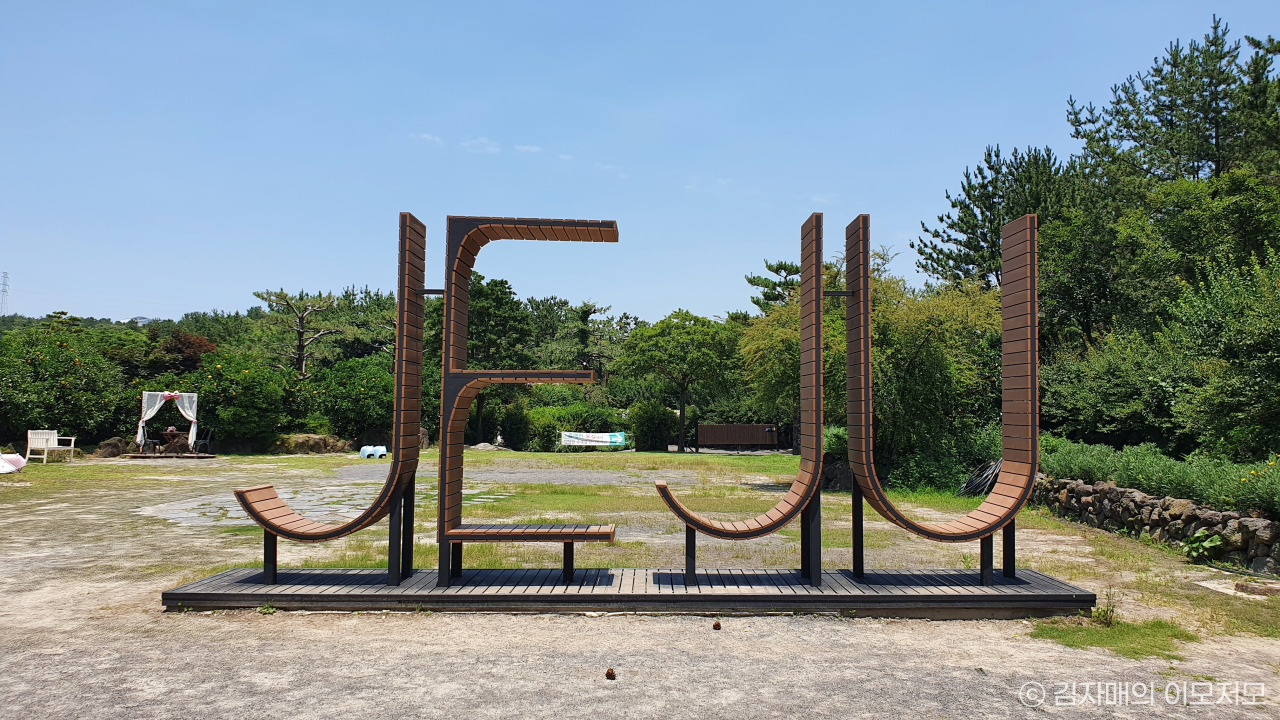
x: 153, y: 401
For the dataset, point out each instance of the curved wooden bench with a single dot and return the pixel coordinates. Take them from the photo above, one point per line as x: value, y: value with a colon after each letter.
x: 1020, y: 406
x: 263, y: 503
x: 804, y: 489
x: 460, y: 386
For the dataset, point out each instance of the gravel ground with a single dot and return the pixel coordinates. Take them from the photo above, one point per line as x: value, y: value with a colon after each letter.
x: 82, y: 635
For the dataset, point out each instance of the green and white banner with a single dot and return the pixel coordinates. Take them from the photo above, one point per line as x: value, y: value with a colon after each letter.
x: 576, y: 438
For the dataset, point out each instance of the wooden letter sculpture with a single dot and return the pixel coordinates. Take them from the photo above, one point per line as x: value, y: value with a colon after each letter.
x: 460, y: 386
x: 804, y: 496
x: 266, y: 508
x: 1020, y: 416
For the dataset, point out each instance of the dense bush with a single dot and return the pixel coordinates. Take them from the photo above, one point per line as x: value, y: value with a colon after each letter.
x: 1121, y: 391
x: 652, y: 425
x: 1230, y: 325
x: 546, y: 424
x: 242, y: 397
x: 835, y: 440
x: 515, y: 426
x: 544, y: 430
x: 1216, y: 483
x: 356, y: 396
x: 59, y: 381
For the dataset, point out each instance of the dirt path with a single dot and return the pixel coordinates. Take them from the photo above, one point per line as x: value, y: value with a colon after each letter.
x: 82, y: 635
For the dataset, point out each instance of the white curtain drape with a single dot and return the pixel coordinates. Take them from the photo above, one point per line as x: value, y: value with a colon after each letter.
x: 151, y: 404
x: 187, y: 406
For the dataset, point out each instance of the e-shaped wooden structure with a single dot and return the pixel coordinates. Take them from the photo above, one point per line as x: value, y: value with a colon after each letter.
x: 1020, y: 414
x: 277, y: 519
x: 804, y: 497
x: 466, y: 235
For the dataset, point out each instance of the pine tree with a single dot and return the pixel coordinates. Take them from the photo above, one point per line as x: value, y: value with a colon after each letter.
x: 1197, y: 113
x: 967, y: 246
x: 775, y: 290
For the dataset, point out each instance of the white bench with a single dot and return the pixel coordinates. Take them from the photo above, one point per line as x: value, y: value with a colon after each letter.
x: 46, y: 441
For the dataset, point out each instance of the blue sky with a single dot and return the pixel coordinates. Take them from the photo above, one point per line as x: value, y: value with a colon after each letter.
x: 161, y: 158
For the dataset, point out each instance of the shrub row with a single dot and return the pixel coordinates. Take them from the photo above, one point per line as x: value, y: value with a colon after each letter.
x: 1219, y: 484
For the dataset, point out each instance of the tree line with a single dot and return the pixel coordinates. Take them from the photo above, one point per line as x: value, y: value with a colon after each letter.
x: 1159, y: 293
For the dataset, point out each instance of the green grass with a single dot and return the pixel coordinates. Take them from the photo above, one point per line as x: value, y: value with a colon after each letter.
x: 941, y: 500
x: 251, y: 530
x: 872, y: 538
x: 630, y: 461
x: 1152, y: 638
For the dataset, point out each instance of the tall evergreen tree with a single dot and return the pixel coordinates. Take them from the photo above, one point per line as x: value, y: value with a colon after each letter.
x: 1197, y: 113
x: 967, y: 245
x: 775, y: 290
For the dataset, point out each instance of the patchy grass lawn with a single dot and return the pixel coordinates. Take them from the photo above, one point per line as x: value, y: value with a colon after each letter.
x: 1153, y: 638
x: 1154, y: 582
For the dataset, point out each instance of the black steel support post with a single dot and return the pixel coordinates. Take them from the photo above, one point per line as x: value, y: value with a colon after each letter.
x: 568, y: 562
x: 811, y: 540
x: 1009, y: 561
x: 406, y: 534
x: 690, y: 555
x: 859, y: 565
x: 456, y: 561
x: 986, y: 559
x: 804, y: 543
x: 393, y: 542
x: 268, y: 557
x: 443, y: 565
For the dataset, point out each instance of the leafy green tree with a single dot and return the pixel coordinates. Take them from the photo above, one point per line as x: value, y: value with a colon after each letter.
x: 552, y: 333
x: 1184, y: 222
x: 357, y: 395
x: 515, y: 425
x: 499, y: 329
x: 1119, y: 391
x: 682, y: 349
x: 240, y: 395
x: 1231, y: 327
x: 652, y: 425
x: 50, y: 379
x: 220, y: 328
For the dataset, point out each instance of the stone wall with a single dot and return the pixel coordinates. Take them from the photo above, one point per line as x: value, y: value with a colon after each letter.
x: 1252, y: 542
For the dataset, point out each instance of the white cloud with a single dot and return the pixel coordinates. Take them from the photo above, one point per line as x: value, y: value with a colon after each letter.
x: 428, y: 137
x: 824, y: 198
x: 480, y: 144
x: 528, y: 148
x: 611, y: 169
x: 566, y: 157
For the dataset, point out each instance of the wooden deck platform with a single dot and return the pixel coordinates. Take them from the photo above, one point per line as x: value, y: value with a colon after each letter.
x: 900, y: 593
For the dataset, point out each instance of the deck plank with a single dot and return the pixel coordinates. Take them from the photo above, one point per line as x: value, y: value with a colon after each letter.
x: 718, y: 590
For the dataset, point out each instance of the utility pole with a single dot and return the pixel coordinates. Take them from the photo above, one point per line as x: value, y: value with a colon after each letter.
x: 4, y: 294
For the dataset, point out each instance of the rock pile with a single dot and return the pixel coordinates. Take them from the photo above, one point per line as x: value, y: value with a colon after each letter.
x: 1252, y: 542
x: 303, y: 444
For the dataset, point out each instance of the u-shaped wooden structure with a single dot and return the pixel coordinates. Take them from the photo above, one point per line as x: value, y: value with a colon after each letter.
x: 265, y: 506
x: 466, y: 235
x: 803, y: 495
x: 1019, y: 404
